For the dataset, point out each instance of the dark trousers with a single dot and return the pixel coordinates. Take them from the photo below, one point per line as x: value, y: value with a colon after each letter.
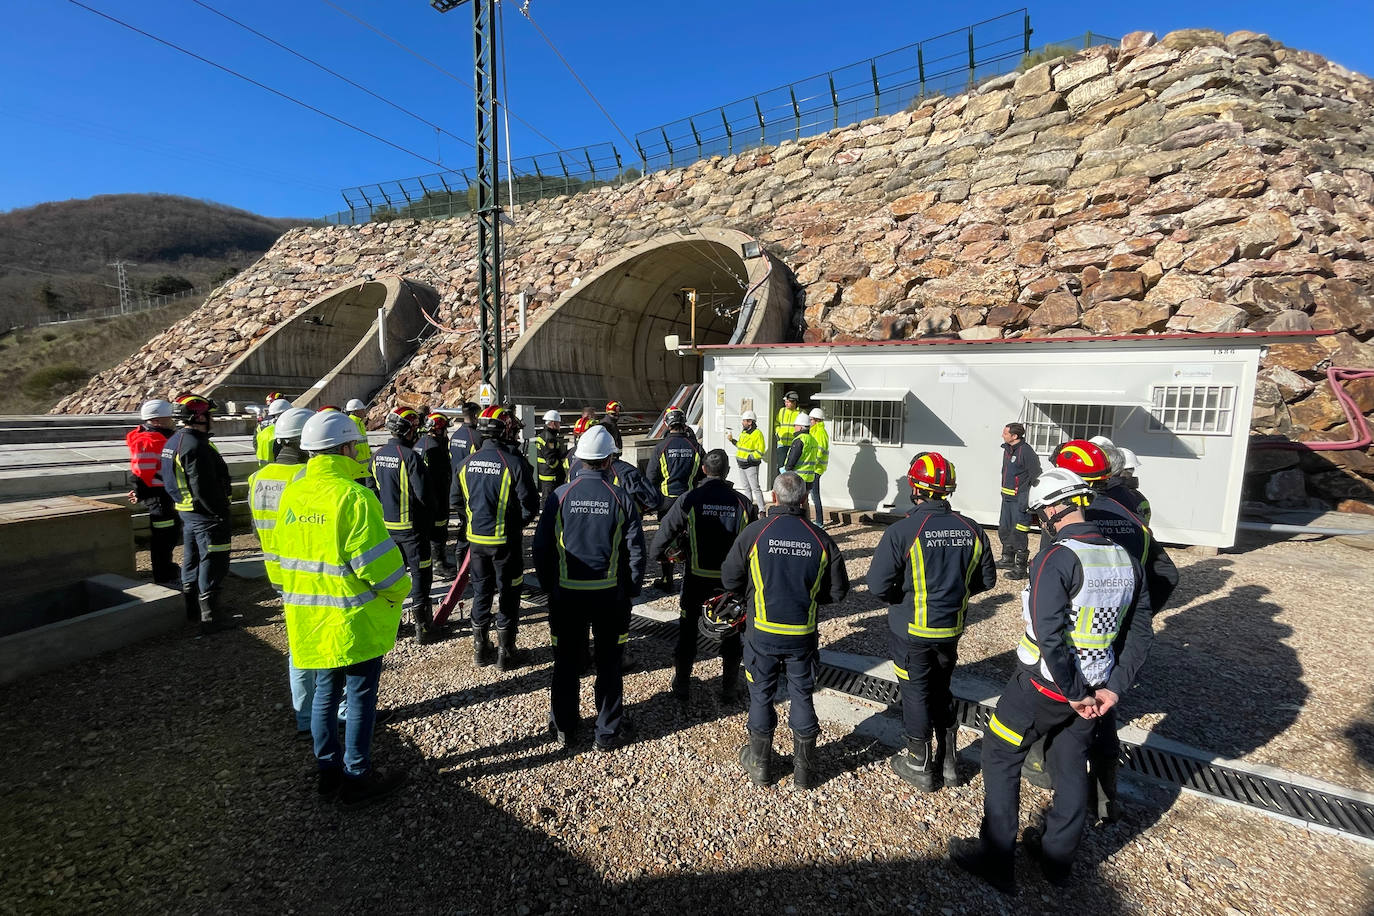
x: 606, y: 613
x: 695, y: 591
x: 814, y: 488
x: 1013, y: 527
x: 163, y: 535
x: 497, y: 568
x: 664, y: 507
x: 924, y: 668
x: 438, y: 541
x: 764, y: 666
x: 359, y: 683
x: 1023, y: 715
x: 414, y: 548
x: 204, y: 554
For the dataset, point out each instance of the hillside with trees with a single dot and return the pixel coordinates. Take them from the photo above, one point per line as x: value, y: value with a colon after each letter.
x: 55, y: 258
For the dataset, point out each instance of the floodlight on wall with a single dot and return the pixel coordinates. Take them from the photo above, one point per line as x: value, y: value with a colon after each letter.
x: 671, y: 343
x: 750, y: 249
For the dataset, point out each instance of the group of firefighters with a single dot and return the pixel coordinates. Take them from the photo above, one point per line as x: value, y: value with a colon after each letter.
x: 352, y: 536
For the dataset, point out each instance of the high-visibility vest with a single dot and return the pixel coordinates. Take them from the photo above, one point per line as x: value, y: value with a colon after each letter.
x: 265, y: 486
x: 749, y: 446
x: 265, y: 441
x: 822, y: 446
x: 145, y: 454
x: 364, y: 450
x: 783, y: 429
x: 806, y: 467
x: 342, y: 577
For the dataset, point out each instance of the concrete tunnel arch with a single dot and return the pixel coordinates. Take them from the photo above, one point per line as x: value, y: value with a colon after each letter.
x: 344, y: 344
x: 603, y: 338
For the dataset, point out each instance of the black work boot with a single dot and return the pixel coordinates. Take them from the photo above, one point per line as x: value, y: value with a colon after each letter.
x: 424, y: 623
x: 1018, y: 569
x: 1033, y: 768
x: 914, y: 765
x: 1102, y: 789
x: 947, y: 755
x: 665, y: 579
x: 1059, y: 874
x: 729, y: 681
x: 804, y: 774
x: 508, y: 657
x: 969, y: 855
x: 1007, y: 561
x: 756, y: 758
x: 191, y: 596
x: 481, y: 647
x: 360, y: 791
x: 682, y: 683
x: 211, y: 620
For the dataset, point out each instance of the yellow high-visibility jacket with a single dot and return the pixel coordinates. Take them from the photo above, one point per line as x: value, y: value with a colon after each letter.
x: 749, y: 447
x: 818, y: 432
x: 783, y: 429
x: 265, y: 487
x: 342, y: 578
x: 364, y: 450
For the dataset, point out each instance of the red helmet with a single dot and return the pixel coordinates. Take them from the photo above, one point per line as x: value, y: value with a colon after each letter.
x: 494, y: 421
x: 614, y: 407
x: 273, y: 396
x: 931, y: 473
x: 193, y: 407
x: 1084, y: 458
x: 327, y: 408
x: 403, y: 422
x: 436, y: 422
x: 582, y: 425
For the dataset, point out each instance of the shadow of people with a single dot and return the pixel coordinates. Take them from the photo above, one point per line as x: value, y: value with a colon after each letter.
x: 867, y: 479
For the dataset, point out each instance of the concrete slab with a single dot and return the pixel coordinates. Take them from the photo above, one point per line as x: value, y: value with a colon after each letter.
x: 61, y: 539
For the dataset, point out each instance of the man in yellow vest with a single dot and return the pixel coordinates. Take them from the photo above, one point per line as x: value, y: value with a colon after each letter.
x: 265, y: 440
x: 749, y: 448
x: 822, y: 437
x: 342, y: 582
x: 356, y: 409
x: 801, y: 457
x: 784, y: 425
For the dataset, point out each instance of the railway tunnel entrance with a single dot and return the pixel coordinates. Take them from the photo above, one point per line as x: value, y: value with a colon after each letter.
x: 604, y: 338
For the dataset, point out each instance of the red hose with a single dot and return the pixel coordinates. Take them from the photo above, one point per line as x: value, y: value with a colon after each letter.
x: 1334, y: 376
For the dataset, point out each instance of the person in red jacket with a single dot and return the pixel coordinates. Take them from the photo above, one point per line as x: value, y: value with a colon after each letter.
x: 145, y: 464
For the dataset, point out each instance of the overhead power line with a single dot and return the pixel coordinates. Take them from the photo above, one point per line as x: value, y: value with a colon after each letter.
x: 420, y: 57
x: 525, y: 11
x: 333, y: 73
x: 248, y: 79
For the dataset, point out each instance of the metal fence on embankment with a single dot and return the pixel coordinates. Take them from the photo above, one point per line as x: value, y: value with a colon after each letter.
x: 883, y: 85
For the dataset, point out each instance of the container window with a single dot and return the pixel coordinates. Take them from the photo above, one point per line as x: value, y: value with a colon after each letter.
x: 875, y: 422
x: 1050, y: 425
x: 1193, y: 410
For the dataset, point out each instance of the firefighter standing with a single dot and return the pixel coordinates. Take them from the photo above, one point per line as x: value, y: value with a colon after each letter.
x: 674, y: 468
x: 803, y: 454
x: 497, y: 499
x: 749, y: 448
x: 1087, y: 633
x: 145, y: 464
x: 265, y: 440
x: 551, y: 456
x: 197, y: 479
x: 784, y: 427
x: 1121, y: 484
x: 589, y: 554
x: 401, y: 478
x: 926, y: 568
x: 611, y: 420
x: 711, y: 515
x: 433, y: 449
x: 1020, y: 466
x: 463, y: 440
x: 343, y: 582
x: 785, y: 567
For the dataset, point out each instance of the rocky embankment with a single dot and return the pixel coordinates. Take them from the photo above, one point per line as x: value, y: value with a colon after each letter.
x: 1195, y: 183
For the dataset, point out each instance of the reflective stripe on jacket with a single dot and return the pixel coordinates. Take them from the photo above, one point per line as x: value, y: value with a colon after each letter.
x: 784, y: 430
x: 801, y: 457
x: 342, y: 577
x: 496, y: 495
x: 749, y: 448
x: 818, y: 432
x: 364, y: 450
x: 265, y: 443
x: 145, y: 456
x: 265, y: 487
x: 400, y: 476
x: 785, y: 567
x: 551, y: 457
x: 1020, y: 465
x: 927, y: 566
x: 712, y: 515
x: 590, y: 538
x: 195, y: 475
x: 676, y: 464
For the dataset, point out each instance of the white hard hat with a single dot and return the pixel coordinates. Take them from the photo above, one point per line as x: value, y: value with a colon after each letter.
x: 1129, y: 461
x: 279, y: 406
x: 802, y: 420
x: 155, y: 408
x: 355, y: 404
x: 817, y: 413
x: 1057, y: 485
x: 327, y: 430
x: 749, y: 415
x: 1101, y: 441
x: 292, y: 422
x: 595, y: 444
x: 552, y: 416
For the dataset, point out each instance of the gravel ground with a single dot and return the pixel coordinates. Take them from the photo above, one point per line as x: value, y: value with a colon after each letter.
x: 167, y: 778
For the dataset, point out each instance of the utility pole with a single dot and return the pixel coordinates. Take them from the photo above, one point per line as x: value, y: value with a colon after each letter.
x: 125, y: 296
x: 488, y: 202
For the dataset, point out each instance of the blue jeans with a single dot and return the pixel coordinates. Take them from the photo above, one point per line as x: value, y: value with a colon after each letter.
x: 303, y: 695
x: 358, y: 683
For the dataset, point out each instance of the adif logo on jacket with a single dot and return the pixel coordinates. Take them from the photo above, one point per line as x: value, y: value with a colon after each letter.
x: 314, y: 518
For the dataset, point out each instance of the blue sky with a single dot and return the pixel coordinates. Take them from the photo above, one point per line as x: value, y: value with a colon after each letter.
x: 93, y: 108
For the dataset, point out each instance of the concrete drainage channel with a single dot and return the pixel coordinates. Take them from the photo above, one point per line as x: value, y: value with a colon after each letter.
x: 1265, y: 789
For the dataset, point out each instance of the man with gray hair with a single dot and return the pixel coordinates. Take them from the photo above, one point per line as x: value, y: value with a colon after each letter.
x: 785, y: 566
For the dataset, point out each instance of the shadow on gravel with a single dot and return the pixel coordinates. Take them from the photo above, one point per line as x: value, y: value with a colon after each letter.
x: 1201, y: 579
x: 1361, y: 736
